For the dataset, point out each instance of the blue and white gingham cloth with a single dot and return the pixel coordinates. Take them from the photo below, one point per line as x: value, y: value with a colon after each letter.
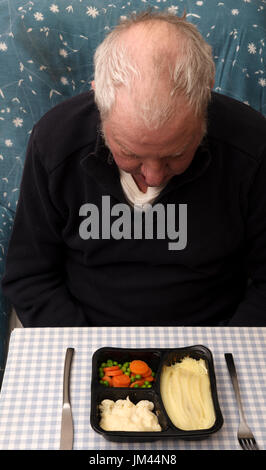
x: 31, y: 395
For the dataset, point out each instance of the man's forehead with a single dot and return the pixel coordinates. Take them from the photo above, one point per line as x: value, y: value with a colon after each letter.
x: 124, y: 127
x: 174, y: 145
x: 127, y: 129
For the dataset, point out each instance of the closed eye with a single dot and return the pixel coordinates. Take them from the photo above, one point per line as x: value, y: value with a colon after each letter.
x: 179, y: 155
x: 132, y: 155
x: 129, y: 155
x: 167, y: 157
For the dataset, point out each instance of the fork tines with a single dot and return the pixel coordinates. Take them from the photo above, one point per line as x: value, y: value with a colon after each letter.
x: 248, y: 443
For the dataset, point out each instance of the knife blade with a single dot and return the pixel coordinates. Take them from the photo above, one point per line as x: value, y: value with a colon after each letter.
x: 67, y: 428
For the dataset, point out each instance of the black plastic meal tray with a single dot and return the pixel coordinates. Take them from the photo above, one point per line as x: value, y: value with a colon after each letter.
x: 156, y: 358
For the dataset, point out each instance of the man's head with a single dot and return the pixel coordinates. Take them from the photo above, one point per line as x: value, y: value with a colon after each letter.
x: 153, y: 78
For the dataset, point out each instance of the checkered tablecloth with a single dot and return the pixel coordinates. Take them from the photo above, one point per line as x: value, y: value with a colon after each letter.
x: 31, y: 394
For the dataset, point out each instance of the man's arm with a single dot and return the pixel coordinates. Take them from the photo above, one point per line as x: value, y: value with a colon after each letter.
x: 252, y: 310
x: 34, y: 275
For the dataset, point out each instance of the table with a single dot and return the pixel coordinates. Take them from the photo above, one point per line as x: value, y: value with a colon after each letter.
x: 31, y: 394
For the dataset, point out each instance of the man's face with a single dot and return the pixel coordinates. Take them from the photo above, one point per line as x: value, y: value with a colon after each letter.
x: 152, y: 157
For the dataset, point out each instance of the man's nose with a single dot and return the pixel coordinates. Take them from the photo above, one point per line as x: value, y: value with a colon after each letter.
x: 153, y: 172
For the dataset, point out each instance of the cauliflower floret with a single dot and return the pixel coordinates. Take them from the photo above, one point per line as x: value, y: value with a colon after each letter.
x: 123, y: 415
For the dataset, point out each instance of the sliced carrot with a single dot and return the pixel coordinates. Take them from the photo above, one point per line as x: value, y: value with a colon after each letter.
x: 150, y: 378
x: 137, y: 382
x: 138, y: 367
x: 147, y: 373
x: 108, y: 379
x: 106, y: 369
x: 112, y: 373
x: 121, y: 380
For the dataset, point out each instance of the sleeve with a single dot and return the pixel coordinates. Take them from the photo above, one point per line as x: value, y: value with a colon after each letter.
x: 34, y: 277
x: 252, y: 310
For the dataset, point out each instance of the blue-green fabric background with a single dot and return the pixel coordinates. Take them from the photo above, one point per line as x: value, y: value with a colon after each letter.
x: 46, y: 56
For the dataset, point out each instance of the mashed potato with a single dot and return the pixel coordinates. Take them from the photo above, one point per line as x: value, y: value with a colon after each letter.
x: 123, y: 415
x: 186, y: 394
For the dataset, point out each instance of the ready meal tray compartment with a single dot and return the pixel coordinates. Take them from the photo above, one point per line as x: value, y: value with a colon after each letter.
x: 156, y: 358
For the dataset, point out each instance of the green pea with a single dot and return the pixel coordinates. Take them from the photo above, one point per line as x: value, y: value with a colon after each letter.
x: 136, y: 386
x: 101, y: 374
x: 115, y: 363
x: 103, y: 364
x: 106, y: 383
x: 138, y: 376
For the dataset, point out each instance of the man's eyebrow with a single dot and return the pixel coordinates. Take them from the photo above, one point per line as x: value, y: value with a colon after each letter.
x: 124, y: 148
x: 121, y: 145
x: 174, y: 154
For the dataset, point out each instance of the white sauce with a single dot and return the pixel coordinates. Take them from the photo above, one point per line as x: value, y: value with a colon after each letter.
x: 123, y: 415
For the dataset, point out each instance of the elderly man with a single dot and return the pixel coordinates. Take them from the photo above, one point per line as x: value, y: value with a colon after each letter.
x: 143, y: 201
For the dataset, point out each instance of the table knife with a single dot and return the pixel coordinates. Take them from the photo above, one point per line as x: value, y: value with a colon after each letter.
x: 67, y: 428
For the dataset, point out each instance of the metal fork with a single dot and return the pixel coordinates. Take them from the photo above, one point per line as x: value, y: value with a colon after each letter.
x: 244, y: 434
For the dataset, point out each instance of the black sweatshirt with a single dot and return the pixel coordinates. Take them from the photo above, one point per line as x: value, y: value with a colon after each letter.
x: 56, y: 277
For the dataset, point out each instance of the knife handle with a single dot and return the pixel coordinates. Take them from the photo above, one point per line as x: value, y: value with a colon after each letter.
x: 67, y: 367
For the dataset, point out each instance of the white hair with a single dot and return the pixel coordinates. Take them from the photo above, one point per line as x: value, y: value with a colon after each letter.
x: 186, y: 68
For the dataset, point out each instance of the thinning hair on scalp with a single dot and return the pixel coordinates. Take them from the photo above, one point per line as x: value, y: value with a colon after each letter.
x: 179, y: 67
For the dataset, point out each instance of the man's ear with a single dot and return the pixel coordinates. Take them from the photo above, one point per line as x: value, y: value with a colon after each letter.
x: 93, y: 85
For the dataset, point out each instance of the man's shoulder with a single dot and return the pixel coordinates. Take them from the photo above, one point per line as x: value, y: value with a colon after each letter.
x: 67, y: 128
x: 236, y: 124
